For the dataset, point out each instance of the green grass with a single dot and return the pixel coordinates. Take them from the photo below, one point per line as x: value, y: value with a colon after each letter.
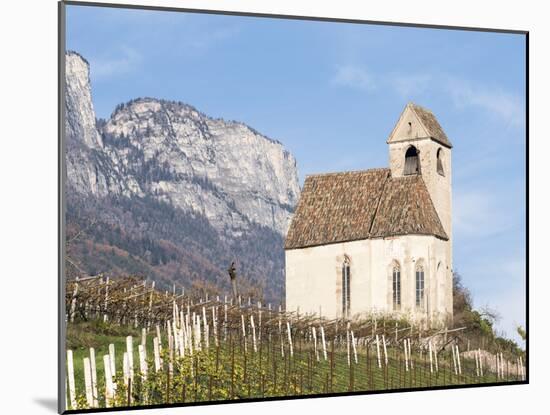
x: 208, y: 375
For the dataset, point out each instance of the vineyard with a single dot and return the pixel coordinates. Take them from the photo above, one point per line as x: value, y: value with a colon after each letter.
x: 130, y: 344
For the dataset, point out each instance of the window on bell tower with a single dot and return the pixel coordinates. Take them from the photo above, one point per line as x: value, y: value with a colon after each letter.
x: 440, y: 162
x: 412, y: 162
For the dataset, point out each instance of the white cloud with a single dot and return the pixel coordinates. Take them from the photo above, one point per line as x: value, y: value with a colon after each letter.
x: 125, y: 61
x: 355, y: 77
x: 462, y: 93
x: 408, y: 85
x: 493, y: 100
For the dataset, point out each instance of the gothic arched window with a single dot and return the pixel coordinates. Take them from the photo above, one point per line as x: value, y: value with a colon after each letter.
x: 419, y: 285
x: 346, y: 279
x: 412, y: 162
x: 396, y: 286
x: 440, y: 162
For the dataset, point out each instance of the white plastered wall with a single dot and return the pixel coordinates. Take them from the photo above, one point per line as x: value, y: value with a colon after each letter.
x: 314, y: 277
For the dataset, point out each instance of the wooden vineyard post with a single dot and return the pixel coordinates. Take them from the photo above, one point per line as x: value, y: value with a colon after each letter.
x: 406, y: 358
x: 289, y: 338
x: 158, y: 337
x: 176, y: 336
x: 73, y: 300
x: 125, y: 370
x: 143, y: 370
x: 385, y: 350
x: 88, y: 382
x: 458, y: 360
x: 315, y: 343
x: 367, y: 364
x: 112, y: 359
x: 351, y: 378
x: 156, y: 352
x: 182, y: 336
x: 244, y: 333
x: 324, y: 343
x: 205, y: 328
x: 109, y: 387
x: 455, y: 366
x: 170, y: 354
x: 135, y: 310
x: 93, y: 373
x: 130, y: 353
x: 435, y: 361
x: 105, y: 317
x: 378, y: 352
x: 198, y: 344
x: 409, y: 352
x: 143, y: 337
x: 522, y: 369
x: 225, y: 319
x: 70, y: 375
x: 281, y: 334
x: 142, y: 361
x: 215, y: 326
x: 348, y: 345
x: 332, y: 364
x: 253, y: 328
x: 353, y: 341
x: 260, y: 322
x: 430, y: 353
x: 150, y: 311
x: 501, y: 360
x: 480, y: 362
x: 233, y: 367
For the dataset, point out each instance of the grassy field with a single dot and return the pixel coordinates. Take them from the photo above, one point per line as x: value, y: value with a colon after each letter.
x: 231, y: 372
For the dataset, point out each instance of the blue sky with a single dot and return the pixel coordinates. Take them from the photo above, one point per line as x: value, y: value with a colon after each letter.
x: 331, y: 93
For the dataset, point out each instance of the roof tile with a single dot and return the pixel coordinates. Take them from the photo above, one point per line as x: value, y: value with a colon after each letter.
x: 339, y: 207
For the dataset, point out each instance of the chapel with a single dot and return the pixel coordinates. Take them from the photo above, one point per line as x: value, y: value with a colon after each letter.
x: 378, y: 240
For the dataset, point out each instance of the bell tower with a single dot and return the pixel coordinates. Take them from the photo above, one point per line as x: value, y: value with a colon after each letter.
x: 418, y: 145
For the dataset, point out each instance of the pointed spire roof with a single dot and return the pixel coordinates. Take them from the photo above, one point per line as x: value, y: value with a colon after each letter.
x: 426, y: 126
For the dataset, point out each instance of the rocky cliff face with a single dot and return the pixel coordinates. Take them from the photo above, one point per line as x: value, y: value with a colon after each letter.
x: 226, y: 175
x: 78, y: 103
x: 223, y: 170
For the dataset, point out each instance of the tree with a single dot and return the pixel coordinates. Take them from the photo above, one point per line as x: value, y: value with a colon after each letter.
x: 522, y: 333
x: 462, y: 300
x: 479, y: 323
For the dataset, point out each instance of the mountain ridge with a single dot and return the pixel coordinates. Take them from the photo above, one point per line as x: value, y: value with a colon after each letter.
x: 220, y: 176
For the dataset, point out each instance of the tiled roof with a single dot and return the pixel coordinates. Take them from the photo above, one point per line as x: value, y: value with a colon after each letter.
x: 431, y: 124
x: 339, y: 207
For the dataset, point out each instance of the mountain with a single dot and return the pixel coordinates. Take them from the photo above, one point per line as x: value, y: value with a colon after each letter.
x: 164, y: 191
